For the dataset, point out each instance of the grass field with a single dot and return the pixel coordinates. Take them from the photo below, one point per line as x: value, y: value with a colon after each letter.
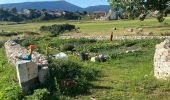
x: 96, y: 27
x: 125, y: 76
x: 129, y: 78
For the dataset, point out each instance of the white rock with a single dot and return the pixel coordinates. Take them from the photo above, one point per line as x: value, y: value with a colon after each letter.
x: 94, y: 59
x: 61, y: 56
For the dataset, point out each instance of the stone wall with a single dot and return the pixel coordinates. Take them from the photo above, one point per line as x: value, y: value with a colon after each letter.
x: 162, y: 60
x: 13, y: 49
x: 115, y: 37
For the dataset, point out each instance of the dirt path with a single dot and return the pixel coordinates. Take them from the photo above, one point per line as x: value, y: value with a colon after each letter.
x: 115, y: 37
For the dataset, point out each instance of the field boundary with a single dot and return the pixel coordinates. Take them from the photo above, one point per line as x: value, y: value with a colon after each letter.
x: 115, y: 37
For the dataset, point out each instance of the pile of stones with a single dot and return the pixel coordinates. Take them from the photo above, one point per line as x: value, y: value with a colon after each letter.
x: 162, y: 60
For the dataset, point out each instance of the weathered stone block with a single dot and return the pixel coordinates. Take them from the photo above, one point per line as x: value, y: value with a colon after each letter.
x: 26, y: 70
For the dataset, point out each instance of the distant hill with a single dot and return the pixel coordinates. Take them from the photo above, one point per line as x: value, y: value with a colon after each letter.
x: 105, y: 8
x: 54, y: 5
x: 49, y: 5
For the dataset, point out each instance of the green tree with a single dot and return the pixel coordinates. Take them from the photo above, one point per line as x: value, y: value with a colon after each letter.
x: 134, y: 8
x: 14, y: 10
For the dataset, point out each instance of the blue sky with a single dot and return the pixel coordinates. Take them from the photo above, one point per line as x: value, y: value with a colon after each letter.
x: 81, y: 3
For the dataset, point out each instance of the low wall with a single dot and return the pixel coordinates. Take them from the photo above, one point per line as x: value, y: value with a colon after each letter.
x: 13, y: 49
x: 115, y: 37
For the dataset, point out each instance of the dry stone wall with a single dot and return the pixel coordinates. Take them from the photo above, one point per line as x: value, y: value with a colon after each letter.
x: 115, y: 37
x: 162, y: 60
x: 13, y: 49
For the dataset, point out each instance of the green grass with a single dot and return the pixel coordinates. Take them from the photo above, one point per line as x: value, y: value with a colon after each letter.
x: 9, y: 88
x: 129, y: 76
x: 96, y: 27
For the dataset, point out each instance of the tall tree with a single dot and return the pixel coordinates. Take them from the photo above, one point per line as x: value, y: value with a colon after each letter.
x: 142, y: 7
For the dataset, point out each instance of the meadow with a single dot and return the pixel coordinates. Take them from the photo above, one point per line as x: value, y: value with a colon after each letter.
x: 93, y: 28
x: 124, y: 76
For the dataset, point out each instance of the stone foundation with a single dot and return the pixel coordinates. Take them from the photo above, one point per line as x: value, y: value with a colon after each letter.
x: 162, y: 60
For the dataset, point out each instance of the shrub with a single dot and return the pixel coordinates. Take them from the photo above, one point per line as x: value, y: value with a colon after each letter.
x: 84, y: 40
x: 58, y: 29
x: 31, y: 33
x: 27, y: 42
x: 65, y: 69
x: 13, y: 92
x: 70, y: 76
x: 1, y: 44
x: 39, y: 94
x: 67, y: 47
x: 9, y: 33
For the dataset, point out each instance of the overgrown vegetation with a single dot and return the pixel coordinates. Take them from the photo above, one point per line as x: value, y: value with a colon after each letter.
x: 39, y: 94
x: 58, y: 29
x: 71, y: 77
x: 126, y: 75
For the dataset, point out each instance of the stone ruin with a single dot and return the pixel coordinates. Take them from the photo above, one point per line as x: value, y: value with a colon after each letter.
x: 29, y: 73
x: 162, y: 60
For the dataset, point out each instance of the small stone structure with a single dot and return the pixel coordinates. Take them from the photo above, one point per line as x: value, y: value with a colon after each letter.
x: 162, y: 60
x: 29, y: 73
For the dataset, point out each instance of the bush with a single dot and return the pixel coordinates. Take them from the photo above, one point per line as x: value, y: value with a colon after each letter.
x: 65, y: 69
x: 13, y: 92
x: 58, y: 29
x: 9, y: 33
x: 67, y: 47
x: 31, y: 33
x: 39, y: 94
x: 70, y: 76
x: 27, y: 42
x: 1, y: 44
